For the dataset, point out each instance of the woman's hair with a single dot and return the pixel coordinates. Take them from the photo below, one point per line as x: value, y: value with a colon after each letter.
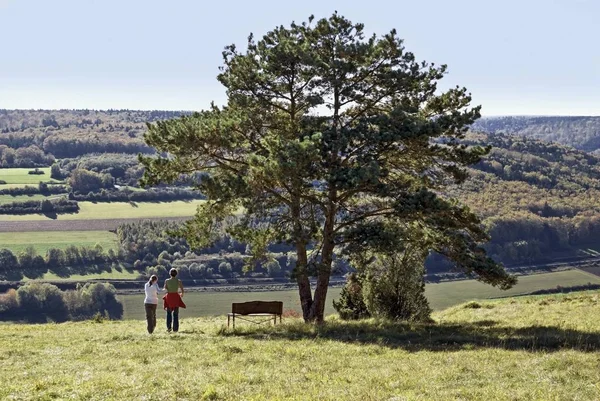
x: 173, y: 272
x: 153, y: 278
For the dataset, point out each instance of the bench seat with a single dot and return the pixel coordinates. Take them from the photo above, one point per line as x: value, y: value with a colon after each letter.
x: 257, y: 312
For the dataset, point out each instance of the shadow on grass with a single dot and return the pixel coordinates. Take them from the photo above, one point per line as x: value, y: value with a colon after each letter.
x: 51, y: 215
x: 430, y: 337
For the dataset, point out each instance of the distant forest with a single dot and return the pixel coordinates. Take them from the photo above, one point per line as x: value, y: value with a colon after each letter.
x: 538, y: 199
x: 582, y: 133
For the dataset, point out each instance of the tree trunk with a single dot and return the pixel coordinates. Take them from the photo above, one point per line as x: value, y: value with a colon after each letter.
x: 303, y: 283
x: 317, y: 311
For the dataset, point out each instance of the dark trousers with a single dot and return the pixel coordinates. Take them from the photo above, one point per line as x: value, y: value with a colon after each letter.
x: 173, y: 317
x: 151, y: 316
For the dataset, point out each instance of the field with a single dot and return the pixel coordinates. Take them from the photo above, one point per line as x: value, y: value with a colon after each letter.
x: 71, y: 225
x: 21, y: 176
x: 441, y: 296
x: 117, y: 210
x: 41, y: 241
x: 529, y: 348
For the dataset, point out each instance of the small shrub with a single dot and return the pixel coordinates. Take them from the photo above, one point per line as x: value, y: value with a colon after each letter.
x: 351, y: 305
x: 472, y: 305
x: 8, y: 302
x: 98, y: 318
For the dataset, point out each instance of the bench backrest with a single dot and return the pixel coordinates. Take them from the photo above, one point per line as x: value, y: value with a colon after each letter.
x: 246, y: 308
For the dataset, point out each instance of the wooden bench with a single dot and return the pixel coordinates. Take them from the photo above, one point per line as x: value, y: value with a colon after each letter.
x: 264, y: 311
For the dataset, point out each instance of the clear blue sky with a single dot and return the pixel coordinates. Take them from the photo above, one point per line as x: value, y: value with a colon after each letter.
x: 537, y: 57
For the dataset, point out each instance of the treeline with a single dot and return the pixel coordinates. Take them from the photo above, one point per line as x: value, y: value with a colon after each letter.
x: 18, y: 120
x: 62, y: 147
x: 41, y: 189
x: 153, y: 247
x: 24, y: 157
x: 152, y: 195
x: 72, y: 133
x: 46, y: 206
x: 518, y: 238
x: 37, y: 302
x: 123, y: 168
x: 580, y: 132
x: 62, y: 262
x: 545, y: 165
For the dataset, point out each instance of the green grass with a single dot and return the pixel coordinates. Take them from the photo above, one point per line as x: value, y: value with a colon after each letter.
x: 43, y: 240
x: 119, y: 210
x: 440, y: 296
x: 534, y: 348
x: 21, y: 176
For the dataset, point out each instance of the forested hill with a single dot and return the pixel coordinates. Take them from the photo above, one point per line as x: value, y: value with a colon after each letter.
x: 536, y: 198
x: 580, y: 132
x: 72, y: 133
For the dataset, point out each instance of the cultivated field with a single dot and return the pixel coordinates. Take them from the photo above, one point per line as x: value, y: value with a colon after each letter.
x: 41, y: 241
x: 21, y: 176
x: 117, y: 210
x: 531, y: 348
x: 73, y: 225
x: 441, y: 296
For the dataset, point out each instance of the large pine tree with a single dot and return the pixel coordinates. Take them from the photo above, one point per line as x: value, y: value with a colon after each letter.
x: 326, y: 136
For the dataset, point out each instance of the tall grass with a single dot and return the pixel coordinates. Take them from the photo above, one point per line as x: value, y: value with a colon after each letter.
x: 530, y: 348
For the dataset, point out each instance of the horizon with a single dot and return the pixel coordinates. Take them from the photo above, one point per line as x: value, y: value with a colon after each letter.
x: 143, y: 55
x: 193, y: 111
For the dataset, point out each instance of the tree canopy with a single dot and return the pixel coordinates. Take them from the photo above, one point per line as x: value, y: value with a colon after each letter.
x: 329, y: 139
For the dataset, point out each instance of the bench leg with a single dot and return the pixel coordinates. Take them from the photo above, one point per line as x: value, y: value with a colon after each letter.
x: 234, y: 322
x: 227, y: 321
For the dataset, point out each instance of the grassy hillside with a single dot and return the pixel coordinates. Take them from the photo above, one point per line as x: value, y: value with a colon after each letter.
x: 533, y: 348
x: 22, y: 176
x: 118, y: 210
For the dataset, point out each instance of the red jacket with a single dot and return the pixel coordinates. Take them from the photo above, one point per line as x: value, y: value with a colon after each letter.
x: 173, y: 300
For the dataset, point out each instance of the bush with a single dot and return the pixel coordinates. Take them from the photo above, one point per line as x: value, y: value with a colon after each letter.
x: 394, y: 286
x: 40, y: 302
x: 351, y: 305
x: 273, y: 268
x: 61, y: 205
x: 36, y: 172
x: 9, y: 266
x: 9, y: 304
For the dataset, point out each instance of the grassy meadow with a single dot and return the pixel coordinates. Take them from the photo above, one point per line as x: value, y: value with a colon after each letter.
x: 528, y: 348
x: 118, y: 210
x: 43, y: 240
x: 22, y: 176
x: 441, y: 296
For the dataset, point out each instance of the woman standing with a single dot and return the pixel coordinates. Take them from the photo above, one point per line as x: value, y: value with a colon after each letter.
x: 172, y: 301
x: 151, y: 302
